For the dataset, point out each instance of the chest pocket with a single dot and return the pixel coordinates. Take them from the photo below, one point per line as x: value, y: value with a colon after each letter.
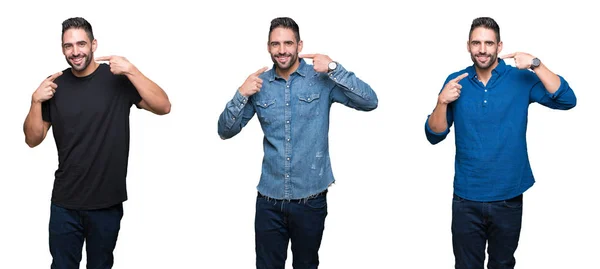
x: 308, y: 105
x: 265, y: 109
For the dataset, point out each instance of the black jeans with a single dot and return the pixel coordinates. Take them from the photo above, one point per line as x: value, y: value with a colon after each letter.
x: 474, y: 223
x: 277, y: 222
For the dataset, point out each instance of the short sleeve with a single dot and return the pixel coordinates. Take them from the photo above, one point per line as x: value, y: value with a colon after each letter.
x: 133, y: 96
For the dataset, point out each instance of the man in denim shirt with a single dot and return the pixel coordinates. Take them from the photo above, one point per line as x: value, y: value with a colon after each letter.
x: 488, y: 104
x: 292, y: 101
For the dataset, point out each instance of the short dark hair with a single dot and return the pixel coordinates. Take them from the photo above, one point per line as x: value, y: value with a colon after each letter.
x: 78, y: 23
x: 488, y: 23
x: 287, y: 23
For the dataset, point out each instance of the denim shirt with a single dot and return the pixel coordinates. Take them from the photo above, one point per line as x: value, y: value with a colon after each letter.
x: 294, y: 117
x: 490, y: 123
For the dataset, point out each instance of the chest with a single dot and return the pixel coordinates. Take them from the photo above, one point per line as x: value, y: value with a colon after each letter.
x: 488, y: 103
x: 87, y: 101
x: 301, y: 99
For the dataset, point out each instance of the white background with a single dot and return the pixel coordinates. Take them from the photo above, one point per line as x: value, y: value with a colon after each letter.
x: 192, y: 195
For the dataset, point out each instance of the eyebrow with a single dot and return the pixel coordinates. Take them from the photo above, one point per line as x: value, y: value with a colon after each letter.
x: 285, y: 41
x: 76, y: 42
x: 482, y: 41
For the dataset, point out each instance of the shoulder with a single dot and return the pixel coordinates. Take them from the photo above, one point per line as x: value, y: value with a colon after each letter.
x: 66, y: 75
x: 469, y: 70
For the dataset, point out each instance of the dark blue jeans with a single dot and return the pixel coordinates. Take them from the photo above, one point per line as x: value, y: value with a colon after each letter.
x: 69, y: 228
x: 300, y: 221
x: 474, y: 223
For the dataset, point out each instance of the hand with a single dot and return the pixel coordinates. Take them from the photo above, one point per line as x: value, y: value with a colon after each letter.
x: 320, y: 61
x: 46, y: 89
x: 522, y: 59
x: 253, y: 83
x: 451, y: 91
x: 118, y: 65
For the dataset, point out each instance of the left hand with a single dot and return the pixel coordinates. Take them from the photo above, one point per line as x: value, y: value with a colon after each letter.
x: 118, y: 65
x: 522, y: 59
x: 320, y: 61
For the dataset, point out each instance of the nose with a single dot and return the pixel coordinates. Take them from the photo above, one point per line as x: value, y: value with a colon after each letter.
x: 482, y: 49
x: 75, y: 50
x: 281, y: 50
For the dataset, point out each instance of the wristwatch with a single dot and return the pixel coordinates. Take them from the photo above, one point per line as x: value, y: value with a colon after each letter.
x: 332, y: 66
x: 535, y: 63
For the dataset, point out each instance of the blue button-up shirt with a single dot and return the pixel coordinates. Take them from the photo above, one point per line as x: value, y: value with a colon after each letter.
x: 294, y: 116
x: 490, y: 123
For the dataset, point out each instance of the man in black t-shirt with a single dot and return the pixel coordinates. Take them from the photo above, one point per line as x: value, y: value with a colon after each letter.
x: 88, y: 106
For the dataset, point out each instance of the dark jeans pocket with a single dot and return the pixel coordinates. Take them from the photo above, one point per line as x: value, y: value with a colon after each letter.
x: 457, y: 199
x: 516, y: 202
x: 319, y: 202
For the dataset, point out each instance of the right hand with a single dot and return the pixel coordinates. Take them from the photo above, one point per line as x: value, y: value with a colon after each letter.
x: 253, y: 83
x: 47, y: 89
x: 451, y: 91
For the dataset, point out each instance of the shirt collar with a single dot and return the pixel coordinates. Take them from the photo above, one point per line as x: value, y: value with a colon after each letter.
x: 302, y: 70
x: 498, y: 70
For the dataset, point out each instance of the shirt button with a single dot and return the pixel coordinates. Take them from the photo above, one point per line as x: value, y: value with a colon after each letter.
x: 288, y: 86
x: 286, y: 175
x: 486, y: 90
x: 233, y: 118
x: 288, y: 158
x: 308, y: 99
x: 485, y: 101
x: 288, y: 121
x: 288, y: 140
x: 287, y: 104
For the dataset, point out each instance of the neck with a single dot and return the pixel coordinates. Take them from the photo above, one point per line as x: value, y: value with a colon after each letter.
x: 484, y: 75
x: 87, y: 71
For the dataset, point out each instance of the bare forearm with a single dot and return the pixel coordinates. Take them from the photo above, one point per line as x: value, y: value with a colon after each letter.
x: 33, y: 127
x: 438, y: 121
x: 150, y: 92
x: 550, y: 80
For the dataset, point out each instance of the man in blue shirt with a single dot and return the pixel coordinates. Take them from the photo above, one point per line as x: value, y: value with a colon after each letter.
x: 488, y: 104
x: 292, y: 101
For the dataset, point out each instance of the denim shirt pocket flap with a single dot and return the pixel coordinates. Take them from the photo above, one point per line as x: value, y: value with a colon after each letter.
x: 265, y: 103
x: 309, y: 97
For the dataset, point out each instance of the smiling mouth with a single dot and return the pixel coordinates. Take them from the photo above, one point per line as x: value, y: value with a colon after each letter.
x: 77, y: 60
x: 284, y: 58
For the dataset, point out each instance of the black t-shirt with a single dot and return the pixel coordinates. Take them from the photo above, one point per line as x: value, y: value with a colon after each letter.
x: 90, y: 124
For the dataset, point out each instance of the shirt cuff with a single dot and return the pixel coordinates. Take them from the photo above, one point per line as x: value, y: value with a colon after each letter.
x: 239, y: 101
x: 561, y: 89
x: 445, y: 132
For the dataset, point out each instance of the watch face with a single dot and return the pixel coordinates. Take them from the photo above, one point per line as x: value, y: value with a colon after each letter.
x: 535, y: 62
x: 332, y: 65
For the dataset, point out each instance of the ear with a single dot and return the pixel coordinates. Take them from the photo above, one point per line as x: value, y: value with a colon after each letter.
x: 499, y: 47
x: 269, y: 47
x: 94, y: 45
x: 469, y: 46
x: 300, y: 46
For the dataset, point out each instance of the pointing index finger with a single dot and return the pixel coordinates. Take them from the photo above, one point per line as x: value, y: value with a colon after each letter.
x: 260, y: 71
x: 54, y: 76
x: 457, y: 79
x: 103, y: 58
x: 309, y: 56
x: 510, y: 55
